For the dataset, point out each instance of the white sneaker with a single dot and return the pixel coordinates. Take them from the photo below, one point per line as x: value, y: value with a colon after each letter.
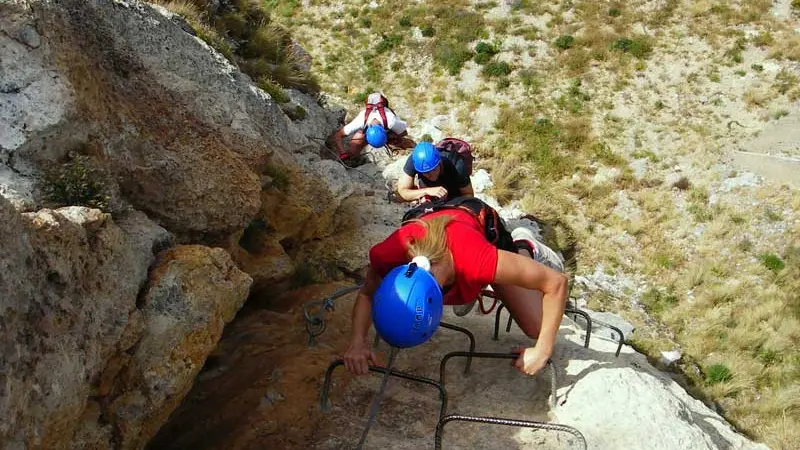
x: 541, y: 252
x: 463, y: 310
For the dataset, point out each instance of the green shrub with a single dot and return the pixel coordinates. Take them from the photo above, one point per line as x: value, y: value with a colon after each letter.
x: 503, y: 83
x: 215, y: 41
x: 565, y: 41
x: 796, y: 6
x: 388, y: 42
x: 603, y: 153
x: 284, y: 8
x: 638, y: 47
x: 772, y: 262
x: 497, y: 69
x: 614, y: 12
x: 77, y: 183
x: 428, y: 31
x: 718, y: 373
x: 484, y: 52
x: 785, y: 81
x: 426, y: 138
x: 682, y: 183
x: 757, y: 67
x: 556, y: 149
x: 273, y: 89
x: 268, y: 42
x: 405, y: 21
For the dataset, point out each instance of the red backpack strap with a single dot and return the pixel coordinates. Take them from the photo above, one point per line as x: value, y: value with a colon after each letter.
x: 382, y: 112
x: 380, y: 106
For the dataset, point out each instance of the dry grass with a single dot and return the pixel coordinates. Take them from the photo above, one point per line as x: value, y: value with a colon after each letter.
x: 243, y: 32
x: 508, y: 177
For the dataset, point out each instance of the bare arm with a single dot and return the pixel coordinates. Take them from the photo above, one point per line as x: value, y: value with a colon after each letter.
x: 358, y: 354
x: 407, y: 191
x: 362, y: 308
x: 517, y: 270
x: 338, y: 137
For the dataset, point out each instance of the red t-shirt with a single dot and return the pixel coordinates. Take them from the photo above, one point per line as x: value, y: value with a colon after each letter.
x: 474, y: 258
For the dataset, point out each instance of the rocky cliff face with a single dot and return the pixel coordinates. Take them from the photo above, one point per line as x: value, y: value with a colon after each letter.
x: 105, y: 323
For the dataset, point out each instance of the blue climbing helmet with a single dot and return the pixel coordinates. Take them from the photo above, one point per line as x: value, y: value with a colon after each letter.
x: 376, y: 136
x: 407, y: 306
x: 425, y: 157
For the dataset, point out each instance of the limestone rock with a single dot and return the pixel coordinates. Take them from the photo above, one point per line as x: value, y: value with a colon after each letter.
x: 192, y: 293
x: 183, y: 133
x: 319, y: 122
x: 261, y: 256
x: 69, y: 280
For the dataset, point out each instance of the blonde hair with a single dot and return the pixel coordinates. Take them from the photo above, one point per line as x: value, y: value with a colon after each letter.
x: 433, y: 244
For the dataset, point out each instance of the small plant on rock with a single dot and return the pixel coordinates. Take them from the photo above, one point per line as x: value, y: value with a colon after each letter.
x: 77, y: 183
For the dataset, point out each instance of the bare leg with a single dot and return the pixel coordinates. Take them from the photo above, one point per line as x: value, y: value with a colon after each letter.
x: 400, y: 140
x: 357, y: 144
x: 524, y: 305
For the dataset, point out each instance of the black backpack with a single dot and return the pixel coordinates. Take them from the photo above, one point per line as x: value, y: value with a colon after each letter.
x: 494, y: 229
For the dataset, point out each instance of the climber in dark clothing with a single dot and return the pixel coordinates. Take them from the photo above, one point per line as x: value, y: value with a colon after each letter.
x: 439, y: 177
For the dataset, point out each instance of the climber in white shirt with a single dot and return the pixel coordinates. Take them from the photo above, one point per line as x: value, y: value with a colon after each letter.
x: 376, y: 125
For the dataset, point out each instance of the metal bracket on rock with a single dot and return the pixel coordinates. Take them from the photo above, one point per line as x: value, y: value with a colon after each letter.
x: 314, y: 312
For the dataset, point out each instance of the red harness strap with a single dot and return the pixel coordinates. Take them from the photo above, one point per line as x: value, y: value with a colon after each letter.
x: 381, y: 110
x: 487, y: 293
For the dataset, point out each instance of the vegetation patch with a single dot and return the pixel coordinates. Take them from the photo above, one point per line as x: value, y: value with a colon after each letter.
x: 772, y: 262
x: 657, y: 301
x: 77, y: 182
x: 639, y: 47
x: 484, y: 52
x: 718, y: 373
x: 243, y: 32
x: 564, y: 42
x: 555, y: 148
x: 497, y: 69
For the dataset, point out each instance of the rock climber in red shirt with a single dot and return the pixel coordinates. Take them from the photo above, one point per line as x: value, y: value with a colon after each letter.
x: 465, y: 249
